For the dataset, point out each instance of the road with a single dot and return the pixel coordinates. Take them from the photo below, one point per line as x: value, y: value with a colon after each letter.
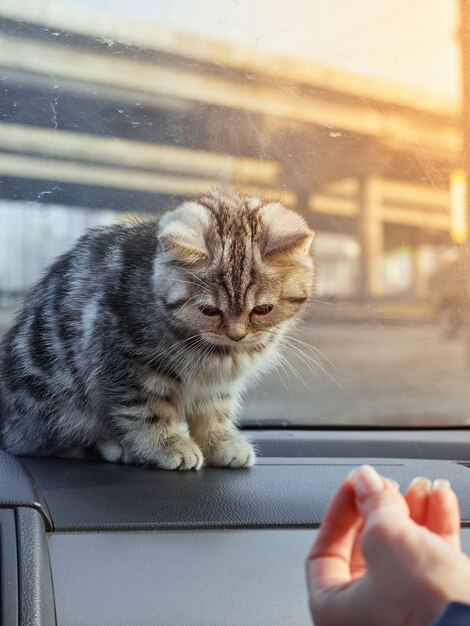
x: 373, y: 373
x: 366, y: 373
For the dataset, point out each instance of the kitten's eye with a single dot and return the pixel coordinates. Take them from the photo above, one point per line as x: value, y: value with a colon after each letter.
x: 210, y: 311
x: 262, y: 309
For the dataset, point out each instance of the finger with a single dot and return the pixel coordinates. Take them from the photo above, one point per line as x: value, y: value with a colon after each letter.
x: 375, y: 495
x: 443, y: 516
x: 335, y: 534
x: 358, y: 562
x: 339, y: 533
x: 417, y: 498
x: 328, y: 563
x: 391, y: 483
x: 383, y: 509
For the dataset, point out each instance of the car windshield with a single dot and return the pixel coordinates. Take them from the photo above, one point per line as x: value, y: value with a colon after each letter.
x: 348, y: 112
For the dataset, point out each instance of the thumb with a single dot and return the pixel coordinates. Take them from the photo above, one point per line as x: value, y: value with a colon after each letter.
x: 376, y: 497
x: 387, y: 529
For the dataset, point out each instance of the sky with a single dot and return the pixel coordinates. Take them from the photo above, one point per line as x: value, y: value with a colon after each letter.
x: 410, y: 42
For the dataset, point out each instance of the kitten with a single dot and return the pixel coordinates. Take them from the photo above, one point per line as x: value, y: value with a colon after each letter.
x: 140, y: 340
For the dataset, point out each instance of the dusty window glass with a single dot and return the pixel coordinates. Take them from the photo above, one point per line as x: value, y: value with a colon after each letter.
x: 348, y: 112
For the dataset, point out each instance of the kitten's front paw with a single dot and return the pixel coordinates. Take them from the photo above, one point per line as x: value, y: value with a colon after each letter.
x: 235, y: 452
x: 182, y: 455
x: 113, y: 452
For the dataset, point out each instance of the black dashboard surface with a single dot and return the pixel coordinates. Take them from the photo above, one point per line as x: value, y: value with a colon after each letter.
x: 276, y: 493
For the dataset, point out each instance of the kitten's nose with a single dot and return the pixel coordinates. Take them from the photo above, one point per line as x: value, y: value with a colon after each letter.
x: 236, y: 332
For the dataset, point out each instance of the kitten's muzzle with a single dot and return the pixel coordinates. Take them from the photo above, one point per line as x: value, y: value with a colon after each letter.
x: 237, y: 332
x: 236, y: 338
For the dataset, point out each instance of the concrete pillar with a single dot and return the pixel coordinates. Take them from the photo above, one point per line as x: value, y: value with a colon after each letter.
x: 370, y: 236
x: 420, y: 277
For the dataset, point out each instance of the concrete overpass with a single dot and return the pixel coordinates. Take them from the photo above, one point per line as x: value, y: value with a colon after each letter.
x: 105, y: 111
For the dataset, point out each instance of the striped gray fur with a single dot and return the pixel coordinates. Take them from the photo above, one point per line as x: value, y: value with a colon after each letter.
x: 140, y: 340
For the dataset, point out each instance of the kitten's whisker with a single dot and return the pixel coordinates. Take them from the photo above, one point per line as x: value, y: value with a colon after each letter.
x: 187, y: 359
x: 295, y: 372
x: 186, y: 304
x: 194, y: 363
x: 172, y: 347
x: 280, y: 360
x: 205, y: 352
x: 280, y: 364
x: 165, y: 351
x: 323, y: 369
x: 293, y: 369
x: 198, y: 278
x: 192, y: 351
x: 187, y: 282
x: 190, y: 282
x: 313, y: 349
x: 185, y: 356
x: 311, y: 358
x: 316, y: 351
x: 326, y: 302
x: 307, y: 363
x: 323, y: 355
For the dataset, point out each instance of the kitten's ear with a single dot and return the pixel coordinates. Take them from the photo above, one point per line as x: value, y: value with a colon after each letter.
x: 182, y: 234
x: 287, y: 233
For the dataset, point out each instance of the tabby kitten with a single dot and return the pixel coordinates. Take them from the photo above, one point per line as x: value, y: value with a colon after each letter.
x: 140, y: 340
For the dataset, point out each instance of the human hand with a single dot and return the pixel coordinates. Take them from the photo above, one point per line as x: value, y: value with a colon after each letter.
x: 383, y: 558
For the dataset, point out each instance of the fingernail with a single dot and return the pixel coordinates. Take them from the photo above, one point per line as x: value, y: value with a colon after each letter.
x: 395, y: 483
x: 441, y: 483
x: 366, y: 480
x: 420, y: 482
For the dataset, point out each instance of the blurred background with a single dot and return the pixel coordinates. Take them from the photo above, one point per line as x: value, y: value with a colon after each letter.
x: 351, y: 113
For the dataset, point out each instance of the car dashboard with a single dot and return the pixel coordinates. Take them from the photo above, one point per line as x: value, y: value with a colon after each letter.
x: 85, y: 542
